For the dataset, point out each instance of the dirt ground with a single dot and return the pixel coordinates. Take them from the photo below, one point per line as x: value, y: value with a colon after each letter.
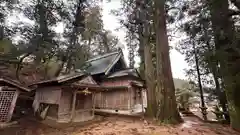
x: 122, y: 126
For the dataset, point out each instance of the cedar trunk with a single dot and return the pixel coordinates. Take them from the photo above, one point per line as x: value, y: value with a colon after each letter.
x: 165, y: 91
x: 141, y: 53
x: 203, y: 107
x: 150, y: 80
x: 149, y: 73
x: 213, y: 66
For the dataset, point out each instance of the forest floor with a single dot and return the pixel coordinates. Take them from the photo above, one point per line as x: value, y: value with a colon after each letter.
x: 117, y: 125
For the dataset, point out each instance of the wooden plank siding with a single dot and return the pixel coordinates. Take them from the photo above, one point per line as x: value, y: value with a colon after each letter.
x: 65, y: 105
x: 84, y: 108
x: 116, y: 83
x: 70, y: 102
x: 118, y: 100
x: 48, y: 95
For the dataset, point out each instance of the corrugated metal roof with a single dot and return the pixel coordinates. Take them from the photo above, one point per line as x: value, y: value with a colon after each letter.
x: 102, y: 64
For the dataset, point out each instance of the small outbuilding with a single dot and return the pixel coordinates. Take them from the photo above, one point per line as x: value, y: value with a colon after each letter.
x: 67, y: 98
x: 10, y: 92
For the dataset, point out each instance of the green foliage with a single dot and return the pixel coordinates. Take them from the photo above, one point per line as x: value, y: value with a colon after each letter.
x: 215, y: 38
x: 35, y: 37
x: 6, y: 47
x: 8, y: 52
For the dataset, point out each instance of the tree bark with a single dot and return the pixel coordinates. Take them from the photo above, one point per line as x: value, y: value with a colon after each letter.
x: 1, y: 31
x: 165, y: 91
x: 227, y: 51
x: 221, y: 97
x: 2, y: 19
x: 105, y: 42
x: 141, y: 52
x: 213, y: 66
x: 148, y: 63
x: 150, y: 81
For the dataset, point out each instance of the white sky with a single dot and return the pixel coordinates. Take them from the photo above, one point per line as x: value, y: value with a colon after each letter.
x: 111, y: 23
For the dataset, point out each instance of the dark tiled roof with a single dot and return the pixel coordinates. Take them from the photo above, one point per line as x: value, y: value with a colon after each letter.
x: 102, y: 64
x: 127, y: 72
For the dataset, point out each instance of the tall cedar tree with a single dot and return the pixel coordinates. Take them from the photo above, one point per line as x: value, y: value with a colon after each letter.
x: 227, y: 46
x: 165, y: 91
x: 199, y: 31
x: 144, y: 8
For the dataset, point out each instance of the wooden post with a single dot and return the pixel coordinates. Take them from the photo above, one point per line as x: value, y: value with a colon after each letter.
x: 141, y: 90
x: 130, y: 98
x: 73, y: 104
x: 94, y: 103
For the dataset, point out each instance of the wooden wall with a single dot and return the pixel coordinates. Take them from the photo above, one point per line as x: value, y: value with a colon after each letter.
x: 48, y: 95
x: 60, y: 102
x: 58, y: 99
x: 115, y: 99
x: 84, y: 101
x: 118, y: 99
x: 83, y: 116
x: 65, y: 102
x: 84, y: 108
x: 122, y: 82
x: 136, y: 95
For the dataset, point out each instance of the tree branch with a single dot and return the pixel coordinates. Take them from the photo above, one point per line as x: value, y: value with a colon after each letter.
x: 20, y: 63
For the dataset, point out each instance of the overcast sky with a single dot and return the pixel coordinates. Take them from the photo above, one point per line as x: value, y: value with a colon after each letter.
x: 111, y: 23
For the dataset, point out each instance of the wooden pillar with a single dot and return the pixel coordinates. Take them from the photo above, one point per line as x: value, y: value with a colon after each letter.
x: 130, y: 98
x: 141, y: 90
x: 73, y: 104
x: 94, y: 103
